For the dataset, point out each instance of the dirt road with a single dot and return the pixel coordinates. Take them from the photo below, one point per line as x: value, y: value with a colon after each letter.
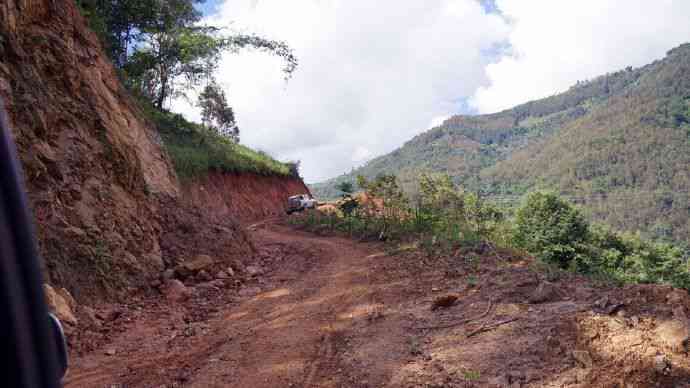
x: 331, y: 312
x: 289, y: 333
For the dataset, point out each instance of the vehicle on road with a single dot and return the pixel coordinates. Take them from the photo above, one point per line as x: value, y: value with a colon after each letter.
x: 298, y: 203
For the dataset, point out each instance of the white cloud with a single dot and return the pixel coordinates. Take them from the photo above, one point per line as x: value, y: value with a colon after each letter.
x: 438, y: 120
x: 361, y: 154
x: 556, y: 43
x: 372, y: 74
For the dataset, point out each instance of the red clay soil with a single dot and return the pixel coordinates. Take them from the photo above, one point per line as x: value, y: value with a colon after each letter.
x: 331, y: 312
x: 245, y: 197
x: 92, y: 163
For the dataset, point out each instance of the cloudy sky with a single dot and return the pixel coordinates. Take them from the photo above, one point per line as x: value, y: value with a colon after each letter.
x: 373, y: 74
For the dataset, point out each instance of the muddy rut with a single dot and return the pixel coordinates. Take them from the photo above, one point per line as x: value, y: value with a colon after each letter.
x: 333, y: 312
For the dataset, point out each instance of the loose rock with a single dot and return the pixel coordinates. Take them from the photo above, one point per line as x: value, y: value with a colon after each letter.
x: 168, y: 274
x: 68, y: 298
x: 109, y: 315
x: 583, y: 358
x: 254, y: 270
x: 444, y: 301
x: 204, y: 276
x: 59, y: 306
x: 674, y: 334
x: 545, y: 292
x: 676, y: 296
x: 175, y: 291
x: 191, y: 267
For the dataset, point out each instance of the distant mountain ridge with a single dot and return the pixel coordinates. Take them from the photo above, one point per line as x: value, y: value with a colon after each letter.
x: 619, y: 144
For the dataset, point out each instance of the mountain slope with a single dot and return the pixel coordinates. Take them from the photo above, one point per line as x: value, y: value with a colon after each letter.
x: 619, y: 144
x: 119, y: 195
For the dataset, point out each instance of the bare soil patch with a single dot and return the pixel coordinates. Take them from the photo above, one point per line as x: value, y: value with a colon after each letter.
x: 332, y: 312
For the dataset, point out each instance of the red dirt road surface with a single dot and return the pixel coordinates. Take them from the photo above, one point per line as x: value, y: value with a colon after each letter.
x: 332, y: 312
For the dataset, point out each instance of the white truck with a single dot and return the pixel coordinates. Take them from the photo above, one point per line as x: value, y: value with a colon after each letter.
x: 298, y: 203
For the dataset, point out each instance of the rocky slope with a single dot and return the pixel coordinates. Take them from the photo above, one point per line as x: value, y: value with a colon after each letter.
x: 92, y: 164
x: 111, y: 215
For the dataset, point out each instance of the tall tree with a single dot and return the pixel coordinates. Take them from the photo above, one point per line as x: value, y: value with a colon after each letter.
x: 216, y: 113
x: 162, y: 49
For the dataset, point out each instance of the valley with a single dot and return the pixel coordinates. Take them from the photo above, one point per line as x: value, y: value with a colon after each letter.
x: 618, y: 144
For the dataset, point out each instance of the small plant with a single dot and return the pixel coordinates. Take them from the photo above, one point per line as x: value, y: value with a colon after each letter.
x: 415, y: 347
x: 472, y: 281
x: 471, y: 375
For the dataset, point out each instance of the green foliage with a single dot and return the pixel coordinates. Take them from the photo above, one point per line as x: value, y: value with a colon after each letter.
x: 216, y: 114
x: 628, y: 258
x: 619, y: 145
x: 442, y: 218
x: 556, y: 232
x: 346, y: 187
x: 471, y: 375
x: 195, y: 149
x: 162, y: 51
x: 161, y: 48
x: 550, y: 227
x: 546, y: 225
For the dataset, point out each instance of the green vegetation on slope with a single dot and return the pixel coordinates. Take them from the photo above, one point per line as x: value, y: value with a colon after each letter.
x: 618, y: 144
x: 196, y: 149
x: 161, y: 52
x: 446, y: 219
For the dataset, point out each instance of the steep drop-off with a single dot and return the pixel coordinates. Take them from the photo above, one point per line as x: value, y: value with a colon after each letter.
x: 110, y: 213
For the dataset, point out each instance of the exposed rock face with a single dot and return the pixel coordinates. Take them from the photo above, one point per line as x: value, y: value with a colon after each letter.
x: 91, y: 162
x: 108, y: 206
x: 243, y: 196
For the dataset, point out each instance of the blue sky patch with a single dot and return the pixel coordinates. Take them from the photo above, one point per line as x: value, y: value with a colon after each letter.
x: 209, y: 7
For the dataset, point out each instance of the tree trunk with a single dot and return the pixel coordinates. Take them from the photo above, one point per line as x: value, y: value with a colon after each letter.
x: 163, y: 90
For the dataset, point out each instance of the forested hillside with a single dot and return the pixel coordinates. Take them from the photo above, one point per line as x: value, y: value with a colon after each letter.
x: 619, y: 144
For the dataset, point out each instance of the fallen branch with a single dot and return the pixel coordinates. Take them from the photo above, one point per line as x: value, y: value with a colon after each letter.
x: 459, y: 323
x: 484, y: 328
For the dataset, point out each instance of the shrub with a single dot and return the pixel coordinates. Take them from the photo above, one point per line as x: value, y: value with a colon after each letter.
x: 556, y: 232
x: 550, y: 228
x: 627, y: 258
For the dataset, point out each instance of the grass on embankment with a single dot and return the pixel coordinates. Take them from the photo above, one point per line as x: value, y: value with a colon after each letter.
x: 195, y: 150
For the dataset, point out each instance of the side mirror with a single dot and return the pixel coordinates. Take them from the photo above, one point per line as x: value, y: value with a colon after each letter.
x: 60, y: 344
